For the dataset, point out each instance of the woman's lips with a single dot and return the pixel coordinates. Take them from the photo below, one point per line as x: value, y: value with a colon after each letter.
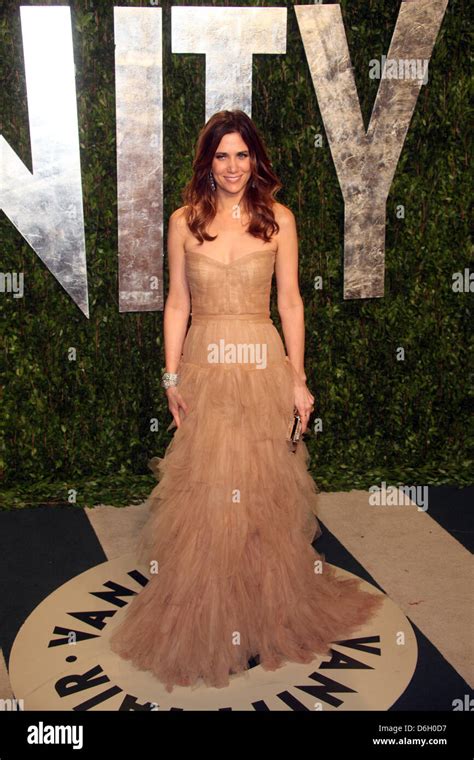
x: 232, y: 179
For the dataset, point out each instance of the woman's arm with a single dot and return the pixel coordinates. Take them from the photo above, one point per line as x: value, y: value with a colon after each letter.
x: 291, y: 310
x: 290, y: 303
x: 178, y: 302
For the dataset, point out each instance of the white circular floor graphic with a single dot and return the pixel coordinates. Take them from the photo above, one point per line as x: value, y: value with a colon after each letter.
x: 369, y: 671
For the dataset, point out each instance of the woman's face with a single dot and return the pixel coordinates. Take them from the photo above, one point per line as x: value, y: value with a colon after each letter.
x: 231, y: 164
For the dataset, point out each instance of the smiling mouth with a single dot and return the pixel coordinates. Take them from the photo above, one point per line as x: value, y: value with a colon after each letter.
x: 232, y: 179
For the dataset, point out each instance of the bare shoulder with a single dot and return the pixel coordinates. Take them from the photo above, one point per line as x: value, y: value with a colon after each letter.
x: 177, y: 222
x: 284, y: 216
x: 178, y: 217
x: 287, y: 235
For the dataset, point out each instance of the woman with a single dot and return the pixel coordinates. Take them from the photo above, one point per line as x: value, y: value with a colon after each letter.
x: 233, y: 573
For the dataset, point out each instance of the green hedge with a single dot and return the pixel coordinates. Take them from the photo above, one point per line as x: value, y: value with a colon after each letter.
x: 85, y: 425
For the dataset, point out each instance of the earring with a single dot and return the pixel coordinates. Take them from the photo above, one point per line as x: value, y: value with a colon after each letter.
x: 211, y: 180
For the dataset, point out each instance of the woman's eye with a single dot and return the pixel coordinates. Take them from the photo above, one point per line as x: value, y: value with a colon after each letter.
x: 240, y: 155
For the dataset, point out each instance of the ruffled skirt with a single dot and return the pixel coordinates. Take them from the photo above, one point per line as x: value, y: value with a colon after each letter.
x: 233, y: 574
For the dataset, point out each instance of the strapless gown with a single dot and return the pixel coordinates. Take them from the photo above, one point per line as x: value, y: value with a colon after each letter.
x: 233, y: 515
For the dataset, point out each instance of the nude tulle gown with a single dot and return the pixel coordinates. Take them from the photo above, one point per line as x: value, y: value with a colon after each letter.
x: 233, y: 514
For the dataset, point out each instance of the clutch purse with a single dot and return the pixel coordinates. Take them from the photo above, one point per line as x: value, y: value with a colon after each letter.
x: 293, y: 434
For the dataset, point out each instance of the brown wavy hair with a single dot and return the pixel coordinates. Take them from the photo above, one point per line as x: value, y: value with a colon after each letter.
x: 261, y: 188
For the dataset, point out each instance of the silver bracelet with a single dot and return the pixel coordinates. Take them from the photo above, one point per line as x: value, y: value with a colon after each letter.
x: 169, y: 379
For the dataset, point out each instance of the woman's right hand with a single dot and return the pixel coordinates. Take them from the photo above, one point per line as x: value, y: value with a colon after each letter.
x: 175, y: 403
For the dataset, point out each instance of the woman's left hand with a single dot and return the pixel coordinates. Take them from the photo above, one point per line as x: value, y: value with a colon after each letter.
x: 304, y: 402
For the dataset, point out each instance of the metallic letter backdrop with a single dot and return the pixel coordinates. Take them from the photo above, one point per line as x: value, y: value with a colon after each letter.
x: 46, y: 205
x: 366, y: 161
